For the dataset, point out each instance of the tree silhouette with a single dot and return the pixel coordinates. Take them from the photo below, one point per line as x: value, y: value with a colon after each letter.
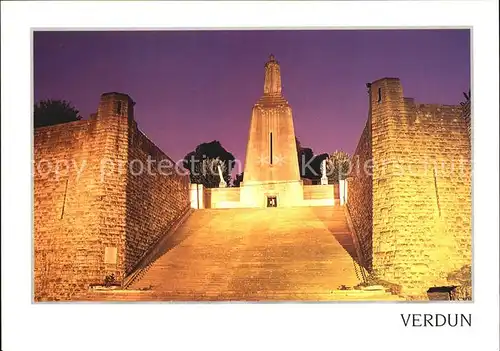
x: 467, y: 98
x: 51, y: 112
x: 338, y: 166
x: 238, y: 179
x: 202, y: 164
x: 309, y: 164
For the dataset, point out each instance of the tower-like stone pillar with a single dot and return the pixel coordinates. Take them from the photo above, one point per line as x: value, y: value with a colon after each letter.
x: 271, y: 169
x: 115, y: 105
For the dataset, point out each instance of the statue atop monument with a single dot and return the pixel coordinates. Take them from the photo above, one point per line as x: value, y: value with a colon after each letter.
x: 272, y: 80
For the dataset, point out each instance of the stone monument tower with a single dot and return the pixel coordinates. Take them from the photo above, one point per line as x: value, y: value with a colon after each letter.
x: 271, y: 175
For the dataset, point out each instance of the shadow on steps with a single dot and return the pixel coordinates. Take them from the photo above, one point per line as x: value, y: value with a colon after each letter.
x: 335, y: 221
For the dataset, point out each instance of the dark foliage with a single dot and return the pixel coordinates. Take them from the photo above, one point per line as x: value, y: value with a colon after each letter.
x: 309, y: 164
x: 238, y: 179
x: 51, y: 112
x: 202, y: 164
x: 338, y: 166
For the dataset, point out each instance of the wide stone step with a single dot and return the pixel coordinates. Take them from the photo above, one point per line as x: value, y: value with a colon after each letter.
x: 214, y: 295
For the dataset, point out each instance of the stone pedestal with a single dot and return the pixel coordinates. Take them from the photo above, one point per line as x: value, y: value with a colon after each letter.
x: 256, y: 194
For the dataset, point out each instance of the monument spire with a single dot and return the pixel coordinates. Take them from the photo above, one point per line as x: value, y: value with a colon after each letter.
x: 271, y: 176
x: 272, y: 80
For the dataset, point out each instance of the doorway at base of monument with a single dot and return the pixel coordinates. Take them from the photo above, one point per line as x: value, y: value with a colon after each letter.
x: 271, y: 200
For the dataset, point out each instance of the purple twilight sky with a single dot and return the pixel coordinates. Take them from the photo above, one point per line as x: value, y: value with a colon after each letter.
x: 197, y: 86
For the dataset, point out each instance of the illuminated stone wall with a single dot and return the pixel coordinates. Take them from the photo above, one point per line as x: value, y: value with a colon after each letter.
x: 421, y: 190
x: 155, y: 199
x: 320, y: 195
x: 222, y: 197
x: 360, y: 187
x: 76, y: 215
x: 92, y: 217
x: 320, y: 192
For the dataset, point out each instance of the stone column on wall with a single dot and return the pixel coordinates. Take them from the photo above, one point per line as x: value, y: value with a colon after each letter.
x: 345, y: 190
x: 342, y: 192
x: 116, y: 114
x: 201, y: 197
x: 387, y: 112
x: 115, y: 105
x: 196, y: 196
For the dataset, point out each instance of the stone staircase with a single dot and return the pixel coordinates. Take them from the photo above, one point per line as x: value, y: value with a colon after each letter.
x: 162, y: 296
x: 275, y: 254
